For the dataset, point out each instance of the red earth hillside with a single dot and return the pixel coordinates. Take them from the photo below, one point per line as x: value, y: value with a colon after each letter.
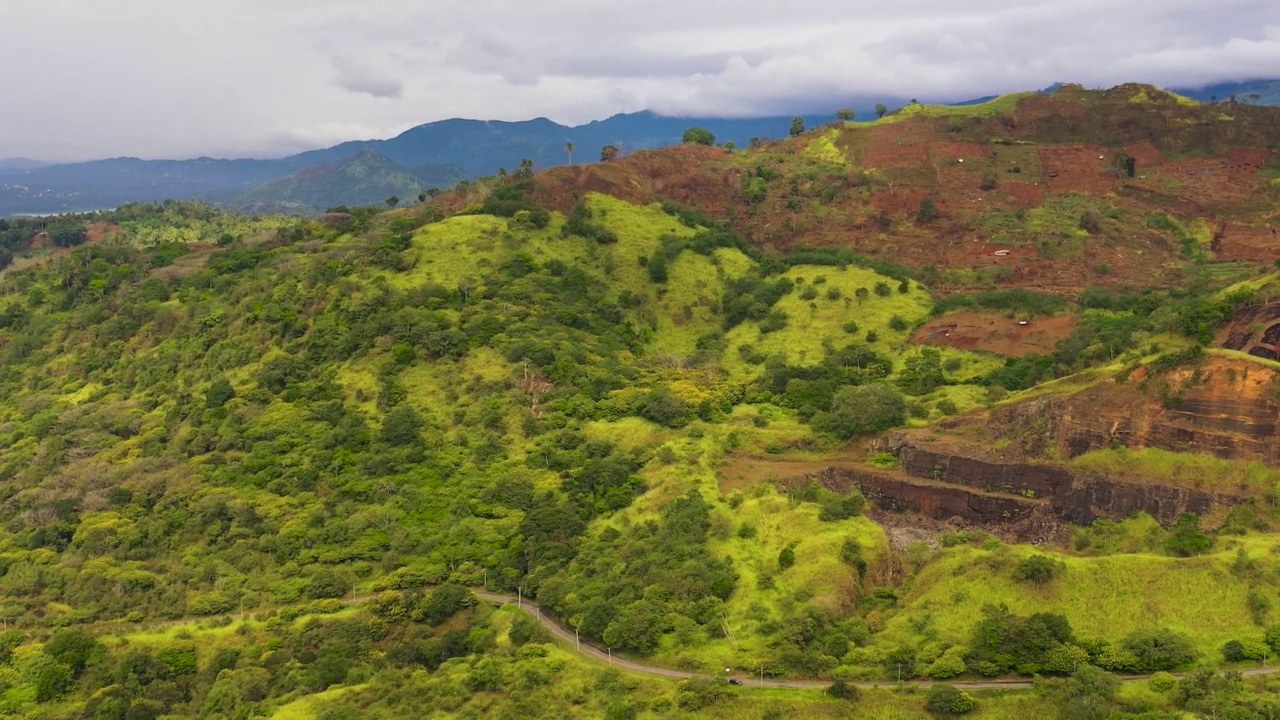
x: 1028, y: 190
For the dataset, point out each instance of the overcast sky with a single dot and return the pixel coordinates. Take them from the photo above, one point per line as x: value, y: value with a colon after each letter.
x: 179, y: 78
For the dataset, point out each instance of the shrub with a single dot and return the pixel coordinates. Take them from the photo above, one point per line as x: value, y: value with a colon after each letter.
x: 787, y: 557
x: 1162, y: 682
x: 843, y: 690
x: 949, y: 665
x: 1038, y: 569
x: 947, y: 700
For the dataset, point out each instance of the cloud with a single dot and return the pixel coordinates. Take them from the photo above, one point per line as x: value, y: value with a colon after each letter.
x: 190, y: 77
x: 356, y: 75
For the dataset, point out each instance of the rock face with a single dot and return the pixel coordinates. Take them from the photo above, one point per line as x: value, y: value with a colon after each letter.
x: 1073, y: 496
x: 1226, y: 407
x: 936, y: 500
x: 1255, y: 330
x: 988, y: 470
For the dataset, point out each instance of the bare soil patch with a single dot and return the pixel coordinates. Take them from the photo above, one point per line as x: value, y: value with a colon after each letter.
x: 995, y: 333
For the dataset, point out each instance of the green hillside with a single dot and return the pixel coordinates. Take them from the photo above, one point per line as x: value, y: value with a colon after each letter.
x: 254, y: 467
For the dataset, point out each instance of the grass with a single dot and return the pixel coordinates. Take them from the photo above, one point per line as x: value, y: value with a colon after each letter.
x: 994, y: 106
x: 823, y: 148
x: 1185, y: 469
x: 809, y: 322
x: 1107, y: 597
x: 311, y: 706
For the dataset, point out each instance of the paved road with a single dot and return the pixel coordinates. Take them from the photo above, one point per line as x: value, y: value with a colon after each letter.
x: 558, y: 630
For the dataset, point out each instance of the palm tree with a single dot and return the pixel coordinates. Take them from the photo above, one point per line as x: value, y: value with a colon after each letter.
x: 568, y: 147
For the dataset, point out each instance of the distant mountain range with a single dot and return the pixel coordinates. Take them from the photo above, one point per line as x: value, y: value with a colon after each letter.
x: 436, y: 154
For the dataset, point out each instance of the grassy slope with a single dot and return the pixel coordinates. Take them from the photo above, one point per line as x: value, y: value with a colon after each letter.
x: 1107, y: 596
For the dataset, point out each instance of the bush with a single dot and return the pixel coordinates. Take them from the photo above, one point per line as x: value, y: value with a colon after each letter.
x: 949, y: 665
x: 843, y: 690
x: 1038, y: 569
x: 1159, y: 649
x: 1162, y: 682
x: 787, y: 557
x: 947, y: 700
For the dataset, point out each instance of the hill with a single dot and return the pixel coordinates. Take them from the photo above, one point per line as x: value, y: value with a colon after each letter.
x: 1255, y: 92
x: 367, y: 178
x: 478, y: 147
x: 758, y: 409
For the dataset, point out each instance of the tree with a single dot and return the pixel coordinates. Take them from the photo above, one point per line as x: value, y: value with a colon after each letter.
x: 881, y: 110
x: 392, y: 201
x: 845, y: 114
x: 797, y: 126
x: 1159, y: 649
x: 862, y: 410
x: 73, y: 648
x: 568, y: 147
x: 401, y: 426
x: 1187, y: 539
x: 923, y: 372
x: 526, y: 168
x: 219, y: 393
x: 698, y: 136
x: 608, y: 152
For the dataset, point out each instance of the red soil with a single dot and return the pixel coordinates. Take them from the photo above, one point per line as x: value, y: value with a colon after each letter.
x: 995, y: 333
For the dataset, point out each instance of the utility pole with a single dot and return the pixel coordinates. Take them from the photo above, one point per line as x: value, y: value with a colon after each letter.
x: 761, y: 674
x: 519, y: 596
x: 577, y: 640
x: 610, y: 656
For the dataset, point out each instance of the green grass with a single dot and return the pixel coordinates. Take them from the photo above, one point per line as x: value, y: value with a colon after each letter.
x: 810, y: 321
x: 1107, y: 596
x: 311, y: 706
x: 994, y: 106
x: 823, y: 148
x: 1186, y: 469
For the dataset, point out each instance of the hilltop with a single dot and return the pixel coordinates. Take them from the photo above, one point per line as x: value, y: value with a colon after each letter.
x: 763, y: 409
x: 478, y: 147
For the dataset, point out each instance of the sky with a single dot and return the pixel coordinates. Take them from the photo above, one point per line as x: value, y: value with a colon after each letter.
x: 84, y: 79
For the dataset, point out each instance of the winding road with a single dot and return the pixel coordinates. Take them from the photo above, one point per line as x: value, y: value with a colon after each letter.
x: 607, y: 656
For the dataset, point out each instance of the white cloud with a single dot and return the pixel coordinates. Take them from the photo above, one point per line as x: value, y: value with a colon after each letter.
x: 186, y: 77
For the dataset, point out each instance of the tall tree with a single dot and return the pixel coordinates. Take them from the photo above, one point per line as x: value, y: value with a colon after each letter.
x: 608, y: 152
x: 698, y: 136
x: 568, y: 147
x: 845, y: 114
x: 797, y: 125
x: 881, y: 110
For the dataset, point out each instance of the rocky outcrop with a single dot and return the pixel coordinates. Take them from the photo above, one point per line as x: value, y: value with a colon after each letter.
x: 1075, y: 496
x: 936, y: 500
x: 1225, y: 407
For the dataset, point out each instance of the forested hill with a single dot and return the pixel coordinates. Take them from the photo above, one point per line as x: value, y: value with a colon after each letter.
x: 646, y: 415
